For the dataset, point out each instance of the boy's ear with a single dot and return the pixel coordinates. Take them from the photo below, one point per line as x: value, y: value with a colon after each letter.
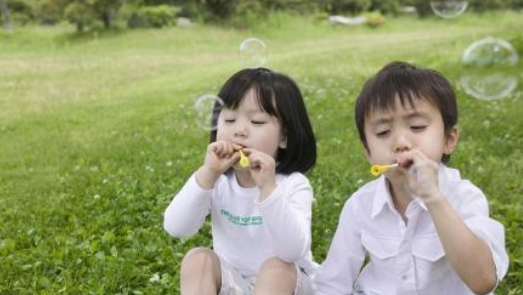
x: 367, y: 151
x: 451, y: 140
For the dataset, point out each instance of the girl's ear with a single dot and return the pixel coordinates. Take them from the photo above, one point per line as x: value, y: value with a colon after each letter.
x: 451, y: 140
x: 283, y: 142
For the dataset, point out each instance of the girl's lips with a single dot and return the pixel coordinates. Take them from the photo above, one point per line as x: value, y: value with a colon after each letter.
x: 240, y: 145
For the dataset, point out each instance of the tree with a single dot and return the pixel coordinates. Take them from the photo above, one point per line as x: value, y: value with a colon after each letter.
x: 78, y: 13
x: 6, y: 15
x: 349, y: 6
x: 106, y: 10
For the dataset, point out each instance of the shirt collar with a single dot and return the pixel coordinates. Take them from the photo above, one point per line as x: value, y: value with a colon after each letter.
x: 382, y: 197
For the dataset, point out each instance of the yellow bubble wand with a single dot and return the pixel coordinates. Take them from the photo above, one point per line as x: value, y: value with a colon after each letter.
x: 379, y: 169
x: 244, y: 161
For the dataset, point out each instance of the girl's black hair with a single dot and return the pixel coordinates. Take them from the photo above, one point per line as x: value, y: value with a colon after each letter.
x: 279, y: 96
x: 409, y: 83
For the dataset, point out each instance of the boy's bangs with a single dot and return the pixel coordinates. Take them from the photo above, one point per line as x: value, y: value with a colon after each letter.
x: 407, y: 90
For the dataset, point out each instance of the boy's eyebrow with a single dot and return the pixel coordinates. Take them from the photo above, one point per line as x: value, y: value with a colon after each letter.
x: 416, y: 114
x: 388, y: 119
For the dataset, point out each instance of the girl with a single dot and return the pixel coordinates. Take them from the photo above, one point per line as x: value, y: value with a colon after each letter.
x: 261, y: 214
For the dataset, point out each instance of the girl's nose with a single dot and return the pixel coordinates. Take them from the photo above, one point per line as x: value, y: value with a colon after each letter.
x: 240, y: 131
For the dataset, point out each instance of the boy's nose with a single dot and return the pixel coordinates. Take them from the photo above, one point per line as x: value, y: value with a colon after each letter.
x: 401, y: 144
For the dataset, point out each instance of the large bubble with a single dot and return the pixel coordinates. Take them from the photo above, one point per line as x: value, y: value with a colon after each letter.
x: 449, y: 8
x: 490, y: 71
x: 207, y: 108
x: 253, y: 53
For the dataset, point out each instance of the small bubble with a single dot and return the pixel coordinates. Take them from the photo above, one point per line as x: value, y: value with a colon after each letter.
x: 253, y: 53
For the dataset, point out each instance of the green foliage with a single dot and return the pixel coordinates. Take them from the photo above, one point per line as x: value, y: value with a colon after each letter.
x: 22, y: 11
x: 375, y: 19
x: 51, y: 11
x: 106, y: 10
x: 385, y: 6
x: 153, y: 16
x: 348, y: 6
x: 484, y: 6
x: 80, y: 14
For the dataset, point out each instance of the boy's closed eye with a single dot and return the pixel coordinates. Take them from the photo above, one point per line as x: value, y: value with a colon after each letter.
x: 418, y: 128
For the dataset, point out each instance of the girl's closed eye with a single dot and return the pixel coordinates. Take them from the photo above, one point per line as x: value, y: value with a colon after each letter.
x: 258, y: 122
x: 229, y: 120
x: 382, y: 133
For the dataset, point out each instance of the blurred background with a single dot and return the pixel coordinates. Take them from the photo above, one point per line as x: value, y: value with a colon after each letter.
x: 105, y: 105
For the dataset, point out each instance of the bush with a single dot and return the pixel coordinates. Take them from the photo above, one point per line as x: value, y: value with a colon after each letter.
x: 375, y: 19
x: 385, y: 6
x: 79, y: 14
x: 22, y: 11
x: 348, y: 6
x: 153, y: 16
x: 50, y: 12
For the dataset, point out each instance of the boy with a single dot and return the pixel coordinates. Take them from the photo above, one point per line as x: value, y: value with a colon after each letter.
x: 426, y: 230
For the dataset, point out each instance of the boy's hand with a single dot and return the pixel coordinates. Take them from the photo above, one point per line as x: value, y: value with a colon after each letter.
x: 422, y: 174
x: 263, y: 171
x: 220, y: 156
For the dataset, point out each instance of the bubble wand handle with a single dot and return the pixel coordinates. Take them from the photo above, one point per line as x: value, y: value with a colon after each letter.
x: 244, y: 161
x: 379, y: 169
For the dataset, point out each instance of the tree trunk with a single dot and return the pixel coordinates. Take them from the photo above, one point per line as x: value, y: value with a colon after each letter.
x: 79, y: 27
x: 106, y: 19
x: 6, y: 15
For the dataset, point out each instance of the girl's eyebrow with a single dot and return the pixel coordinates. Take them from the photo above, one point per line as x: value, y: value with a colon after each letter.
x: 380, y: 121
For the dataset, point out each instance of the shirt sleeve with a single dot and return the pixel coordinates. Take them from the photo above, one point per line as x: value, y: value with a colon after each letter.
x: 475, y: 213
x: 287, y: 214
x: 187, y: 211
x: 337, y: 274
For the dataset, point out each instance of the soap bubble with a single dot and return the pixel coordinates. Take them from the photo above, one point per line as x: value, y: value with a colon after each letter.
x: 489, y: 87
x: 253, y: 53
x: 490, y: 51
x: 490, y: 71
x: 208, y: 108
x: 449, y: 8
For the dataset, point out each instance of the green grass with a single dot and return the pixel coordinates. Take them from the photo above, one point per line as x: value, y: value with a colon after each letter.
x: 97, y: 133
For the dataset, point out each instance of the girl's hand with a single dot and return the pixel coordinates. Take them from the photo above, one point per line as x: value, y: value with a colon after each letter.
x: 263, y: 171
x: 422, y: 178
x: 220, y: 156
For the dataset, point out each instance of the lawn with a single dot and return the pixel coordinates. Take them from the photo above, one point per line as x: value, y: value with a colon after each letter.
x: 97, y: 133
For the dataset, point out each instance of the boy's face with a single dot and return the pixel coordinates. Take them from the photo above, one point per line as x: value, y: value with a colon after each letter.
x: 419, y: 126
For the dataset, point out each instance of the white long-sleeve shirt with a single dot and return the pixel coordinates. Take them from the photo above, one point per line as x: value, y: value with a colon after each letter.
x: 405, y: 259
x: 245, y: 231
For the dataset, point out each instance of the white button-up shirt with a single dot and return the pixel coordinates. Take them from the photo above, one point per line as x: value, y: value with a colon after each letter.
x: 405, y: 258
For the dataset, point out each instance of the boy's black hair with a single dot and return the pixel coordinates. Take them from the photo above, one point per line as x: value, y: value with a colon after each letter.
x: 409, y: 83
x: 279, y: 96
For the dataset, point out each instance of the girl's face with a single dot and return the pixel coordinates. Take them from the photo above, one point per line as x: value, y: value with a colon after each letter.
x: 249, y: 126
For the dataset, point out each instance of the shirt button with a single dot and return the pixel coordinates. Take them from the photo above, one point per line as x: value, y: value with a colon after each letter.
x: 404, y: 277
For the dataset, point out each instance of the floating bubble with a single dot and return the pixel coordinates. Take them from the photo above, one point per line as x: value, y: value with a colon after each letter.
x: 449, y: 8
x: 489, y: 87
x: 490, y: 71
x: 208, y: 108
x: 490, y: 51
x: 253, y: 53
